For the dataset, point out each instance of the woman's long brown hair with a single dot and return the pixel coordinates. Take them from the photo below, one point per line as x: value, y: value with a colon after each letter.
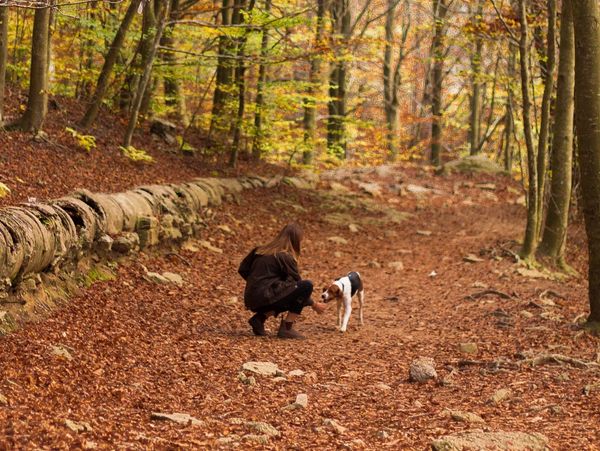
x: 288, y: 240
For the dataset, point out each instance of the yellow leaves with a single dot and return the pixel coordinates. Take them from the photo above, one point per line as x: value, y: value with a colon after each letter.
x: 4, y: 190
x: 137, y: 155
x: 85, y: 142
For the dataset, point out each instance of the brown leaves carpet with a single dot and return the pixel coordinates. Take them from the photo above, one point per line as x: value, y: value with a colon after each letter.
x: 139, y: 348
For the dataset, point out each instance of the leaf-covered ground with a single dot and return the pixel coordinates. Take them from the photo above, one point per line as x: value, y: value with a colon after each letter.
x: 136, y: 347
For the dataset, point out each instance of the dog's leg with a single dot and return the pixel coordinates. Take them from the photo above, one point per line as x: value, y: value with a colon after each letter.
x: 347, y: 312
x: 339, y: 313
x: 361, y: 301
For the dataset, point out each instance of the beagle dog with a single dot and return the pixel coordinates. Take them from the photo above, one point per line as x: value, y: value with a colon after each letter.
x: 342, y: 290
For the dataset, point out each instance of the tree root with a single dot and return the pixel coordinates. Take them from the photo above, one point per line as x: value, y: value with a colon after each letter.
x: 480, y: 294
x: 176, y: 255
x: 543, y: 359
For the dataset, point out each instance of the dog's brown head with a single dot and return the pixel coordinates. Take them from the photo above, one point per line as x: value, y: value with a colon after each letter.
x: 331, y: 292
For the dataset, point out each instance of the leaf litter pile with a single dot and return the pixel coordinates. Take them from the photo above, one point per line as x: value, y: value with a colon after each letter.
x: 136, y: 364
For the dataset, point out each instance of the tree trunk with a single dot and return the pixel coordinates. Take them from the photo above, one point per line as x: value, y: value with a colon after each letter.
x: 336, y: 122
x: 3, y: 57
x: 240, y: 81
x: 530, y: 241
x: 475, y: 119
x: 440, y: 8
x: 390, y: 97
x: 310, y: 104
x: 542, y: 156
x: 173, y: 92
x: 555, y: 231
x: 147, y: 73
x: 257, y: 144
x: 109, y: 62
x: 586, y: 20
x: 37, y: 103
x: 509, y: 122
x: 224, y: 77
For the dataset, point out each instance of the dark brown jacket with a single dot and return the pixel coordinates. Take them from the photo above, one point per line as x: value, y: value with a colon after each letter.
x: 269, y: 278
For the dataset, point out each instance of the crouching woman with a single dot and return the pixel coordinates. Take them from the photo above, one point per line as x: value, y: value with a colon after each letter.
x: 274, y: 285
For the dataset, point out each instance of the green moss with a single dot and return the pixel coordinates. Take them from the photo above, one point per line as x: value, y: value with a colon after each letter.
x: 97, y: 274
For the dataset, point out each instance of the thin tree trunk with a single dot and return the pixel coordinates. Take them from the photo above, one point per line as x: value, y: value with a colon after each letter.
x: 240, y: 80
x: 586, y: 20
x: 37, y: 103
x: 440, y: 9
x: 336, y: 122
x: 257, y: 144
x: 390, y: 98
x: 173, y: 91
x: 555, y: 231
x: 542, y: 156
x: 109, y: 62
x: 530, y: 241
x: 475, y: 119
x: 147, y: 73
x: 3, y: 57
x: 224, y: 77
x: 310, y: 104
x: 509, y: 123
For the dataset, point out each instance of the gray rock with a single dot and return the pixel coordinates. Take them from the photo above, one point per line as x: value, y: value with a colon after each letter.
x: 208, y: 245
x: 396, y: 266
x: 263, y: 428
x: 126, y: 243
x: 78, y: 426
x: 383, y: 435
x: 373, y: 189
x: 300, y: 403
x: 465, y: 417
x: 258, y: 439
x: 468, y: 348
x: 104, y: 243
x: 296, y: 373
x: 338, y: 240
x: 473, y: 164
x: 337, y: 427
x: 422, y: 369
x: 374, y: 264
x: 173, y: 278
x: 61, y: 351
x: 500, y: 396
x: 229, y: 439
x: 181, y: 418
x: 261, y: 368
x: 246, y: 380
x: 497, y: 441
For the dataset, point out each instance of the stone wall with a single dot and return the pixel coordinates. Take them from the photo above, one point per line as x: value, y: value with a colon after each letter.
x: 46, y: 246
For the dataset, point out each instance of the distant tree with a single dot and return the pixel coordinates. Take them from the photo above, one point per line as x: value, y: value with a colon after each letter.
x: 310, y: 104
x: 37, y: 101
x: 555, y: 231
x: 476, y: 56
x: 109, y: 62
x: 3, y: 57
x: 155, y: 15
x: 392, y: 67
x: 438, y: 53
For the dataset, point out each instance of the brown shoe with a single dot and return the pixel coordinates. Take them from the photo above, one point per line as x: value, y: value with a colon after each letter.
x: 286, y: 330
x: 257, y: 322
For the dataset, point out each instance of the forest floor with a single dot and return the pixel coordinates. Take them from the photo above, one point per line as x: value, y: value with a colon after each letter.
x: 134, y: 347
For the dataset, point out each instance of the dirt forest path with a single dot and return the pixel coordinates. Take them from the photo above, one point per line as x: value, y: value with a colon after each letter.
x: 134, y: 347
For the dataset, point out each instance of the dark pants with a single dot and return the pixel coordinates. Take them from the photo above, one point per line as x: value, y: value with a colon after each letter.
x: 293, y: 302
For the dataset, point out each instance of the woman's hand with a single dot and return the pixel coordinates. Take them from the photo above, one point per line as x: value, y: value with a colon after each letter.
x: 319, y: 307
